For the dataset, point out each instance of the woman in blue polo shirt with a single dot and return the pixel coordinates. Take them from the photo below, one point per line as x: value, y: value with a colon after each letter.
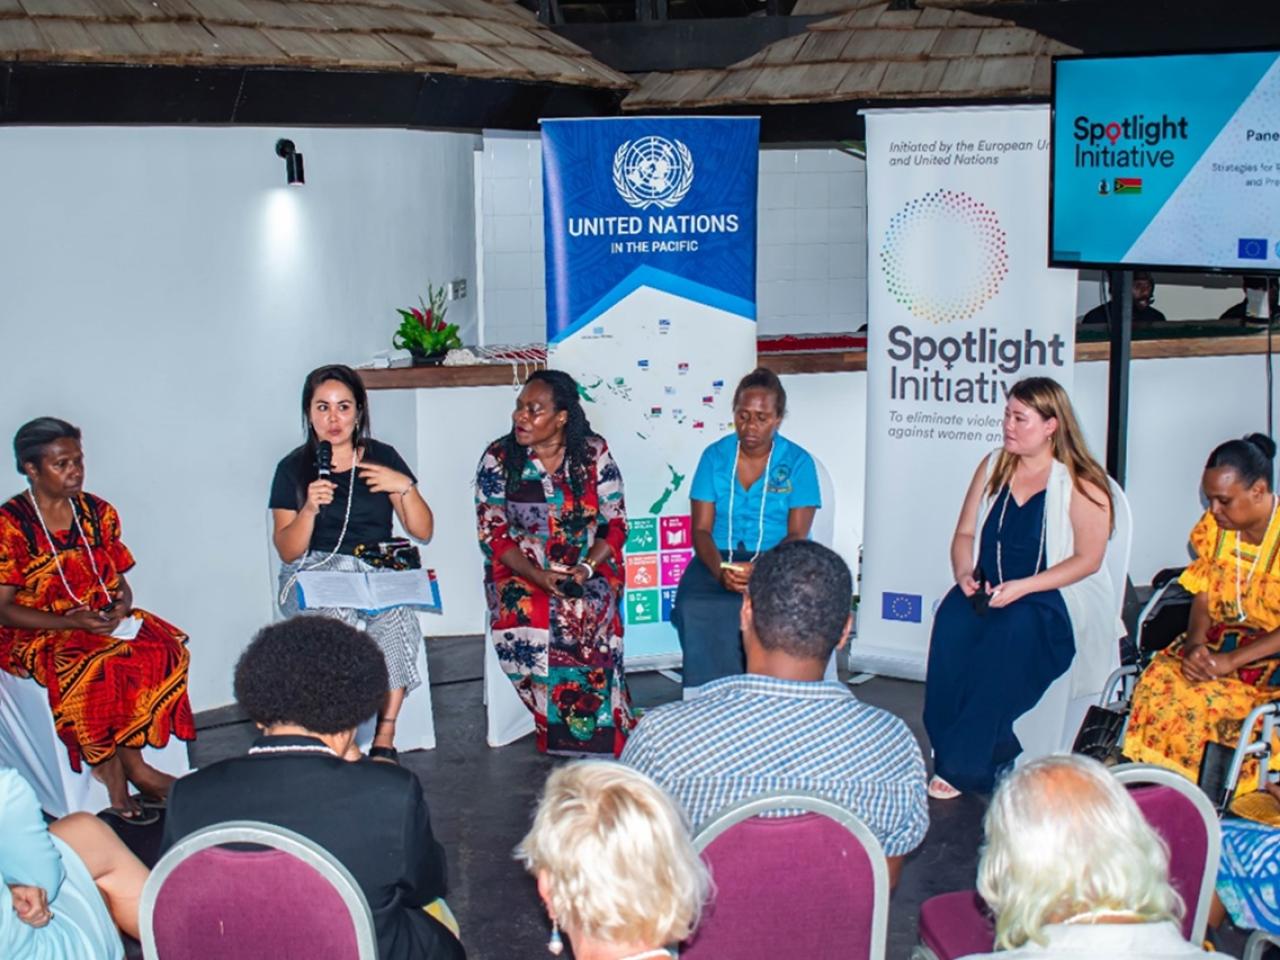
x: 753, y: 489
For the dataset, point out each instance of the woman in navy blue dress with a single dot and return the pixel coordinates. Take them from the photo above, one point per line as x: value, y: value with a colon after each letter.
x: 1040, y: 509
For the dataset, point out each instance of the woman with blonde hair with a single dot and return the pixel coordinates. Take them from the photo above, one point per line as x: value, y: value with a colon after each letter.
x: 1071, y: 868
x: 615, y: 866
x: 1030, y: 593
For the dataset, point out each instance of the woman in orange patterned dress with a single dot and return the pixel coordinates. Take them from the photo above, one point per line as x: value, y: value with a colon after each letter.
x: 1202, y: 687
x: 116, y: 676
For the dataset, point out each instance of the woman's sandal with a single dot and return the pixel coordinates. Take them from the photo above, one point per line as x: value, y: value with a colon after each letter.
x: 145, y: 817
x: 384, y: 755
x: 939, y: 789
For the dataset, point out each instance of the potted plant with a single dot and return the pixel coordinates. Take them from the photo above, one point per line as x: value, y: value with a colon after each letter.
x: 424, y: 332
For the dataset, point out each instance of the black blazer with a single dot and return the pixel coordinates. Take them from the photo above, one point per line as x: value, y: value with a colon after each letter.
x: 371, y: 816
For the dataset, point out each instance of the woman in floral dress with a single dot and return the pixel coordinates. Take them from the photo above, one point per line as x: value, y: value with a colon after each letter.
x: 552, y: 525
x: 1202, y: 687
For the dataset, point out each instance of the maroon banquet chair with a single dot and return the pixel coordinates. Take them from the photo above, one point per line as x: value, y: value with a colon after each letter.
x: 290, y: 901
x: 958, y: 924
x: 813, y: 885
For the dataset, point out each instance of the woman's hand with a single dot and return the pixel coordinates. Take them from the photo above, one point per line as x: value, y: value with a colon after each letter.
x: 31, y: 904
x: 319, y: 494
x: 1198, y: 663
x: 967, y: 584
x: 1008, y: 592
x: 121, y: 606
x: 548, y: 581
x: 735, y: 576
x: 90, y: 621
x: 382, y: 479
x: 582, y: 572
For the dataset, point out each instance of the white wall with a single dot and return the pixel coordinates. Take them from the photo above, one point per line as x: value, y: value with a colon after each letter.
x: 165, y: 290
x: 811, y: 271
x: 1179, y: 410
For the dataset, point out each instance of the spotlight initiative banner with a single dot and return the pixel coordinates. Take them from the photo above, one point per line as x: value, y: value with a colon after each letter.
x: 651, y: 280
x: 961, y: 306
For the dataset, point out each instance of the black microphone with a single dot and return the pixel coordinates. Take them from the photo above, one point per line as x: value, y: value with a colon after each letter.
x: 324, y: 458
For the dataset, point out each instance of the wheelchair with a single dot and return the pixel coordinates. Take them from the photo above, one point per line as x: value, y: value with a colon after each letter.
x: 1163, y: 620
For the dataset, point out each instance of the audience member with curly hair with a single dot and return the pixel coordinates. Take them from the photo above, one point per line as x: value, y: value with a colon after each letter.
x: 308, y: 683
x: 552, y: 525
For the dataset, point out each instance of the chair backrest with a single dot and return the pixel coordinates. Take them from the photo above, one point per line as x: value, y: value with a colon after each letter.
x: 809, y: 885
x: 823, y: 530
x: 1185, y: 819
x: 1121, y: 545
x: 290, y: 901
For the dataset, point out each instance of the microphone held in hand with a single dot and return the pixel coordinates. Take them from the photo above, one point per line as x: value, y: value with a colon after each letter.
x: 324, y: 458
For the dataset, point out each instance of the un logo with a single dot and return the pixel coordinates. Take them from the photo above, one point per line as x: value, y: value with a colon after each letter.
x: 652, y: 172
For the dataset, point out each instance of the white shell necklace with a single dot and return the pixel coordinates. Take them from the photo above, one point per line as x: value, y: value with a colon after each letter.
x: 88, y: 550
x: 1241, y: 616
x: 346, y: 518
x: 764, y: 495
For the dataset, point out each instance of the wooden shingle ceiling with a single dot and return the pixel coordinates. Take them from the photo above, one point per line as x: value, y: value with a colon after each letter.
x: 869, y: 52
x: 487, y: 39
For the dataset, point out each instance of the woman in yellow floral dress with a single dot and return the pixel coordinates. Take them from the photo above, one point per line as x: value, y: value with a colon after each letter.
x: 1202, y: 687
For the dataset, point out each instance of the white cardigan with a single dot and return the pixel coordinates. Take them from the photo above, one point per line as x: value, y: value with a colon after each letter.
x: 1091, y: 602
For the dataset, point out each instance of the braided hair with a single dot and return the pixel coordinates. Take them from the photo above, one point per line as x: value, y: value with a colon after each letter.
x: 577, y: 455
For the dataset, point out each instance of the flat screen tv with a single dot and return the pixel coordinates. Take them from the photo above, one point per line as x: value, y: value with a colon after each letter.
x: 1168, y: 161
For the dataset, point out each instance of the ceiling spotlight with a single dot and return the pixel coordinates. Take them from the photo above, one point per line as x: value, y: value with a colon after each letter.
x: 292, y: 162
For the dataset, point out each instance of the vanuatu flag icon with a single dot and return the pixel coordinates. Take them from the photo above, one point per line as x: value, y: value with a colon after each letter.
x: 1128, y: 185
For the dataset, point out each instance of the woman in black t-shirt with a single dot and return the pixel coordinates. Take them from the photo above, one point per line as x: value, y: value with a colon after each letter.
x: 326, y: 523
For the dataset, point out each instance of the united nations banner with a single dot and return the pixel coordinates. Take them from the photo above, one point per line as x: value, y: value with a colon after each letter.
x: 651, y: 278
x: 961, y: 306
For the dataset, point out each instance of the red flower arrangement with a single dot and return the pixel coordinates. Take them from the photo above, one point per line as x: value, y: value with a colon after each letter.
x: 424, y: 330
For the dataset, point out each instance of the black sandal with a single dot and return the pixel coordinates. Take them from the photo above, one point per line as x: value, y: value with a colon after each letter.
x: 384, y: 755
x: 143, y: 818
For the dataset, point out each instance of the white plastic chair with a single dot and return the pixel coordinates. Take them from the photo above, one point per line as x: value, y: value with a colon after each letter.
x: 1051, y: 725
x: 30, y: 744
x: 823, y: 531
x: 508, y: 718
x: 416, y: 724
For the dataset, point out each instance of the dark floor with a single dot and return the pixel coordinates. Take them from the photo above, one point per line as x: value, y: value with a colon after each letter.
x: 482, y: 799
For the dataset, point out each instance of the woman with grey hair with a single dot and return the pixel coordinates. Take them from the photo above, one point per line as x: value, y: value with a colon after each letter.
x: 1071, y: 868
x: 615, y: 865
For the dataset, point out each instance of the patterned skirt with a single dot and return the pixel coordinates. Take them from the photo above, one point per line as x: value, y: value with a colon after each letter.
x: 1249, y: 874
x: 397, y: 631
x: 104, y: 692
x: 1172, y: 718
x: 564, y: 657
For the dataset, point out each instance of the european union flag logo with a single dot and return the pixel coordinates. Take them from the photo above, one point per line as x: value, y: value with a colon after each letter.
x: 1251, y: 248
x: 902, y: 606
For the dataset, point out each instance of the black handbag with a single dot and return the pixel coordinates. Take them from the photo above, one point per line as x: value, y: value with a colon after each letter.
x: 1099, y: 735
x: 398, y: 554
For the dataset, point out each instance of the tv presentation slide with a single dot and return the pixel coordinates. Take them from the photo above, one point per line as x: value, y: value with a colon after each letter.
x: 1167, y: 161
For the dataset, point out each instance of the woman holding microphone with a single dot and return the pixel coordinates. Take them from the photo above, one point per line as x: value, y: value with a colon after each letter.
x: 332, y: 502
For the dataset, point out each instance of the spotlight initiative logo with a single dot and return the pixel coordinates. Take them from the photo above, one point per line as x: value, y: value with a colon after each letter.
x: 944, y: 256
x: 652, y: 172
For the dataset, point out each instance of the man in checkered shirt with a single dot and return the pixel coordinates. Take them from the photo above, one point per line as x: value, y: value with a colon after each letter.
x: 780, y: 727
